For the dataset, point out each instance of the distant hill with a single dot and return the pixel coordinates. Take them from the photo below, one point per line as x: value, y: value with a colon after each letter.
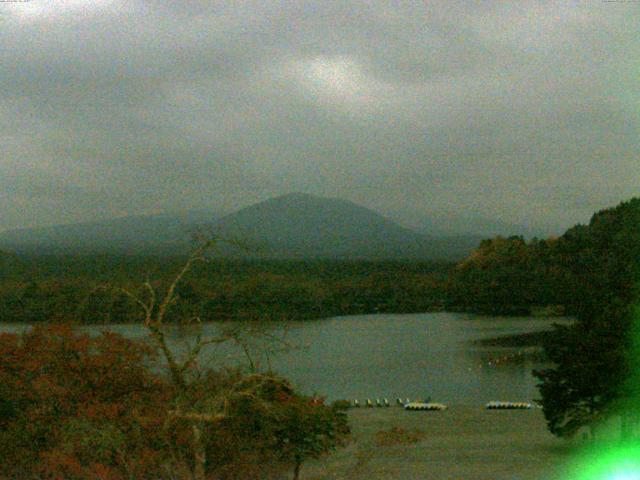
x: 152, y: 234
x: 306, y: 226
x: 465, y: 225
x: 290, y: 226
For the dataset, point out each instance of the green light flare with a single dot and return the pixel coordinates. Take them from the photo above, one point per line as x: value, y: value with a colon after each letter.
x: 634, y: 361
x: 613, y: 462
x: 613, y: 458
x: 618, y: 457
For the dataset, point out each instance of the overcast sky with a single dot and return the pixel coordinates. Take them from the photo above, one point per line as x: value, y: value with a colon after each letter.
x: 524, y: 111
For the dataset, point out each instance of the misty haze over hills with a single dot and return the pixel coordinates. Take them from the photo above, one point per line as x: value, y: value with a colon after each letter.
x: 438, y: 224
x: 295, y: 225
x: 162, y: 233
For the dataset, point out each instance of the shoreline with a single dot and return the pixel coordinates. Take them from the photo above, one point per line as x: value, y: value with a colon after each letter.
x: 320, y: 318
x: 530, y: 339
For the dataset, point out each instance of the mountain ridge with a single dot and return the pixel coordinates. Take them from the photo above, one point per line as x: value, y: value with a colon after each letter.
x: 294, y: 225
x: 129, y: 234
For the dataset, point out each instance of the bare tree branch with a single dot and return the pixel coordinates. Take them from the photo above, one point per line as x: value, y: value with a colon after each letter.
x: 195, y: 351
x: 139, y: 301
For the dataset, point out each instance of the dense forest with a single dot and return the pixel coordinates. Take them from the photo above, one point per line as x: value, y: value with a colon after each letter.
x: 501, y: 276
x: 509, y: 275
x: 34, y: 289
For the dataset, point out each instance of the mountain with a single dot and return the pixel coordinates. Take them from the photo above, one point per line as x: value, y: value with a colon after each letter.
x: 290, y: 226
x: 306, y: 226
x: 156, y: 234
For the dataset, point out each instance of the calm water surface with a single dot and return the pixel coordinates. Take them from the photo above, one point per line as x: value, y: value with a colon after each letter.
x: 369, y: 356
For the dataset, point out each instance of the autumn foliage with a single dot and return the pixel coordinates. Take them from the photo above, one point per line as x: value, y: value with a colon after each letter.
x: 74, y: 406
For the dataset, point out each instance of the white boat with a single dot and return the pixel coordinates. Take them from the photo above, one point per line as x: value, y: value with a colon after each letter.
x: 425, y: 406
x: 497, y: 405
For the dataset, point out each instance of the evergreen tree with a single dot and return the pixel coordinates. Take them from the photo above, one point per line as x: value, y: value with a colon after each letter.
x: 594, y: 356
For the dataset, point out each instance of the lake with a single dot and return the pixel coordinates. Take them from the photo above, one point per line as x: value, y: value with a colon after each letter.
x: 384, y: 355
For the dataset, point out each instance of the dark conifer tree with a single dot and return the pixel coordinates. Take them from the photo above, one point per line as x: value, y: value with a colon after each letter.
x: 595, y: 365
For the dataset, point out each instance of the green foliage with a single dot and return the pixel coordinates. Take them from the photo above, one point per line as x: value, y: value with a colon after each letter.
x: 511, y: 276
x: 37, y: 289
x: 263, y: 427
x: 497, y: 277
x: 581, y: 271
x: 592, y: 272
x: 595, y: 357
x: 306, y: 428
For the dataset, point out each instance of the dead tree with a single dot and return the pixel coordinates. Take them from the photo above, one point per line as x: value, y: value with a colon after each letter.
x: 181, y: 369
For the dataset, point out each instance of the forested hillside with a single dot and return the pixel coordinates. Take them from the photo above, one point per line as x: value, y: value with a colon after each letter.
x: 597, y: 369
x: 509, y: 275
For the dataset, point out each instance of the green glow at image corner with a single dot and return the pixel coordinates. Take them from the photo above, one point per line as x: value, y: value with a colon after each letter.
x: 609, y: 463
x: 619, y: 461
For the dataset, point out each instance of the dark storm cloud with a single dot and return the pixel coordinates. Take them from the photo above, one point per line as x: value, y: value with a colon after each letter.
x: 527, y: 112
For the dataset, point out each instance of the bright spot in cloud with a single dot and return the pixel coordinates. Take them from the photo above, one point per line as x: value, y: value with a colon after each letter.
x: 35, y: 10
x: 341, y: 75
x: 334, y: 78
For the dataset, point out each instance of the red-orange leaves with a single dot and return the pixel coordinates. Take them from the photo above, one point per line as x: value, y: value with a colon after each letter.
x: 71, y: 406
x: 58, y: 465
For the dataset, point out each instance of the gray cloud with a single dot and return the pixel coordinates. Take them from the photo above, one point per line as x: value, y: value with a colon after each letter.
x: 524, y: 111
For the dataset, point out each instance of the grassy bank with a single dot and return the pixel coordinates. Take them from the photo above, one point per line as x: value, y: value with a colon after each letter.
x: 464, y: 442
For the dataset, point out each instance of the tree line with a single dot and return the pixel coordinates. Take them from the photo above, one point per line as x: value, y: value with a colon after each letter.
x: 34, y: 289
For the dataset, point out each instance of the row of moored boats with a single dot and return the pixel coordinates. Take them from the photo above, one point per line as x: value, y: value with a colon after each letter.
x: 429, y: 405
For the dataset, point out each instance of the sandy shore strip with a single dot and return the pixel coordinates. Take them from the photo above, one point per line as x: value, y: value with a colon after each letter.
x: 463, y: 442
